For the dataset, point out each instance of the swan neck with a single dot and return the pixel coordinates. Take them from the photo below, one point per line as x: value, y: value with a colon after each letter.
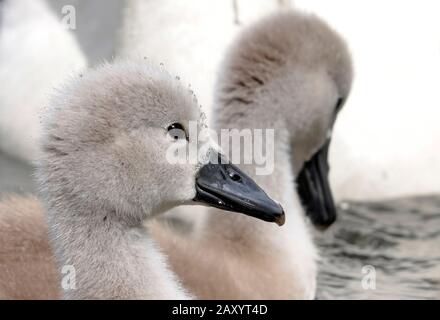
x: 109, y: 259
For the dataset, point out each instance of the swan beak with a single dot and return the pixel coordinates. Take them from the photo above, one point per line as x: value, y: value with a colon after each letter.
x: 222, y: 185
x: 314, y: 189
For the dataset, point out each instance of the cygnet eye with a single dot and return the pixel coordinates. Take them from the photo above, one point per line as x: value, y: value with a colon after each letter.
x: 177, y: 132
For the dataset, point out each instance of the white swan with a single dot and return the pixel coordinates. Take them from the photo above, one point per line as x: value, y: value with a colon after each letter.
x: 189, y: 37
x: 104, y: 169
x: 36, y: 52
x: 289, y: 72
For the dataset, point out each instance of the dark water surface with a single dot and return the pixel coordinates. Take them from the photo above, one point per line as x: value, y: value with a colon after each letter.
x: 399, y: 238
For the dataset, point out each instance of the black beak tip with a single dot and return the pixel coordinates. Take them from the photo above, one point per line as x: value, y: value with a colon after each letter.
x: 321, y: 223
x: 315, y: 191
x: 280, y: 219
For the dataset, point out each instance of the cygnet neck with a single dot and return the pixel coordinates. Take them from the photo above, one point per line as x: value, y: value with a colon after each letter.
x: 112, y: 258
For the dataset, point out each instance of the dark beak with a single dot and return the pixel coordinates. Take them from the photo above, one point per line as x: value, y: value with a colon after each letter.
x: 222, y: 185
x: 314, y: 189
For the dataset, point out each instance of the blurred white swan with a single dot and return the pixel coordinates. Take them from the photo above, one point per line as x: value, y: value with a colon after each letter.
x: 36, y: 52
x: 190, y: 36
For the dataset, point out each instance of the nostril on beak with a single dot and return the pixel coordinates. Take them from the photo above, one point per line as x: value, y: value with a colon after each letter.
x: 234, y: 176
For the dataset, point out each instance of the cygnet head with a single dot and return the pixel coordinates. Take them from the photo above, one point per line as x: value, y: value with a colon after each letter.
x: 107, y: 141
x: 290, y: 71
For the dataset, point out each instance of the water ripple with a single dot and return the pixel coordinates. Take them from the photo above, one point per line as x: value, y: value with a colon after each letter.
x: 399, y: 238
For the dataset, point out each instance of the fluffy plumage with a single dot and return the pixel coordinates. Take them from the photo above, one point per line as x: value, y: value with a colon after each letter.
x: 232, y: 256
x: 102, y: 172
x: 27, y: 266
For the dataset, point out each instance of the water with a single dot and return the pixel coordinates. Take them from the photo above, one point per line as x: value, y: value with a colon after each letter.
x: 399, y: 238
